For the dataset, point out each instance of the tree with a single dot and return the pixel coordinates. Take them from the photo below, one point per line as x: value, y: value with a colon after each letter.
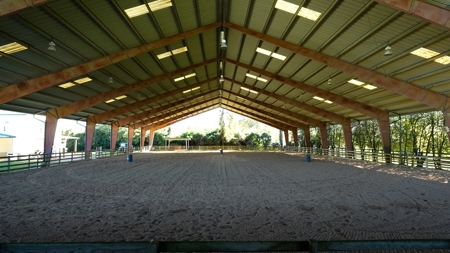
x: 266, y: 139
x: 222, y: 129
x: 252, y: 139
x: 158, y: 139
x: 102, y: 136
x: 359, y: 137
x: 316, y: 139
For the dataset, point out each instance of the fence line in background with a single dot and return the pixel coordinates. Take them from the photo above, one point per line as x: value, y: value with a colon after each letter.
x: 33, y: 161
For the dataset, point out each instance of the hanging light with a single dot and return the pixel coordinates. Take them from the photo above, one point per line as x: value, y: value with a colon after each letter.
x: 223, y: 42
x: 51, y: 46
x: 330, y: 81
x: 221, y: 79
x: 387, y: 51
x: 221, y: 65
x: 110, y: 80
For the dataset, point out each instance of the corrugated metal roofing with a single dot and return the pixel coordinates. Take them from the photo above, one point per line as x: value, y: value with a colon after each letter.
x: 353, y: 31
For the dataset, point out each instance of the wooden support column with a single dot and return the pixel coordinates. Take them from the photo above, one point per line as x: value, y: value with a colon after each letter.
x: 51, y: 122
x: 130, y: 137
x: 295, y: 134
x: 307, y: 137
x: 90, y: 128
x: 385, y: 132
x: 151, y: 137
x: 143, y: 130
x: 347, y: 129
x: 114, y: 132
x: 286, y: 137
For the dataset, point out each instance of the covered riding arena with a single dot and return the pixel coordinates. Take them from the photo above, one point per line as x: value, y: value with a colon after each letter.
x: 206, y: 196
x: 300, y: 66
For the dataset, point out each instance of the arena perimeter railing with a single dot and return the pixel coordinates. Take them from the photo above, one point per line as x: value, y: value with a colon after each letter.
x: 312, y: 246
x: 32, y: 161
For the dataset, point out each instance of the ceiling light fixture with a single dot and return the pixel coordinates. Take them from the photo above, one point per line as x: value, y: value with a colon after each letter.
x: 330, y: 81
x: 223, y: 42
x: 387, y: 51
x: 110, y: 80
x: 51, y: 46
x: 221, y: 79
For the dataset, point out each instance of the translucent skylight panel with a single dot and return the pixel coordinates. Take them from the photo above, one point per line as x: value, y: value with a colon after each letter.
x: 196, y: 88
x: 269, y: 53
x: 179, y: 50
x: 424, y: 53
x: 263, y: 51
x: 370, y: 87
x: 115, y: 99
x: 142, y: 9
x: 173, y: 52
x: 356, y: 82
x: 255, y: 77
x: 190, y: 75
x: 164, y: 55
x: 160, y: 4
x: 184, y: 77
x: 309, y: 14
x: 252, y: 91
x: 136, y: 11
x: 66, y: 85
x: 83, y: 80
x: 250, y: 75
x: 318, y: 98
x: 278, y: 56
x: 292, y: 8
x: 443, y: 60
x: 323, y: 100
x: 286, y: 6
x: 261, y: 79
x: 120, y: 97
x: 12, y: 48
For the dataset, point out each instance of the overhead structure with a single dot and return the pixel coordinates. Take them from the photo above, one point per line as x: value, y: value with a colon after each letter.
x: 289, y: 64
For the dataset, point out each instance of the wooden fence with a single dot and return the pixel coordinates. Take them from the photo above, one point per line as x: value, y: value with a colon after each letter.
x: 33, y: 161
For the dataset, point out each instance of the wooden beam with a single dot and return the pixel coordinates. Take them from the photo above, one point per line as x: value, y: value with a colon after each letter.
x: 291, y: 122
x: 428, y: 97
x: 304, y: 106
x: 153, y: 120
x: 71, y: 108
x: 138, y: 117
x: 98, y: 118
x: 273, y: 123
x: 11, y: 6
x: 24, y: 88
x: 421, y: 9
x: 294, y: 115
x: 341, y: 100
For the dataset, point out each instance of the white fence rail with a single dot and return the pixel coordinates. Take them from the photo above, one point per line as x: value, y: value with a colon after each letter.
x: 33, y: 161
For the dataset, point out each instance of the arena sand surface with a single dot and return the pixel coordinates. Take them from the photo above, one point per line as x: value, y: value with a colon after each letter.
x: 234, y: 196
